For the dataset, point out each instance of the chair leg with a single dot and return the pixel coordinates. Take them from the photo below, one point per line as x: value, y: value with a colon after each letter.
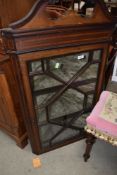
x: 89, y: 143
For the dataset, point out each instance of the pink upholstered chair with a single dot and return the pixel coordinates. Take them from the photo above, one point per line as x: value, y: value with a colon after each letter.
x: 102, y: 122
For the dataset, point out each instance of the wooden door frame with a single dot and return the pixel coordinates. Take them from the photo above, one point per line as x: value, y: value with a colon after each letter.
x: 30, y: 119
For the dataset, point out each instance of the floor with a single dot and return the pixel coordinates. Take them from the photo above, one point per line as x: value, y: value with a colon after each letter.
x: 63, y: 161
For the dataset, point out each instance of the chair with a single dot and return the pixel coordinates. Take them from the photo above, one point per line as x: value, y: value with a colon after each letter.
x: 102, y: 122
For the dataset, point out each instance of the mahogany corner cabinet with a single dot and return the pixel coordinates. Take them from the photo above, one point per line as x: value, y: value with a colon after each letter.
x: 58, y: 56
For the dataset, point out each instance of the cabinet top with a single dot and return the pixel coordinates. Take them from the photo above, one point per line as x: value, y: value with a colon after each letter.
x: 45, y: 15
x: 49, y: 26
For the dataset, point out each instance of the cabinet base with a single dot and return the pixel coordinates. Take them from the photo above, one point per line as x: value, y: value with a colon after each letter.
x: 21, y: 141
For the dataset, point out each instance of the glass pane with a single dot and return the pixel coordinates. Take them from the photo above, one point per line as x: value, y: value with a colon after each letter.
x: 97, y: 55
x: 49, y: 131
x: 61, y: 66
x: 89, y: 73
x: 70, y: 102
x: 44, y: 81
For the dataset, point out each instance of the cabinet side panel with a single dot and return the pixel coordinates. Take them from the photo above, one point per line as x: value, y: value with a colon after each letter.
x: 8, y: 115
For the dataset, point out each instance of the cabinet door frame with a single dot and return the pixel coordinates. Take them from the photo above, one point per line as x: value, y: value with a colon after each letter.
x: 31, y: 120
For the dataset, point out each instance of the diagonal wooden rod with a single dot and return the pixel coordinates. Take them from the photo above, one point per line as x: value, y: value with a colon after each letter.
x: 61, y: 91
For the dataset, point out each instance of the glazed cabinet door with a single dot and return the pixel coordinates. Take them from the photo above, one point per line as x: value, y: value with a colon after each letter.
x: 60, y: 92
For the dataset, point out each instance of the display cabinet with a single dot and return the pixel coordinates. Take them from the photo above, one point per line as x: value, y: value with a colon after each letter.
x: 59, y: 57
